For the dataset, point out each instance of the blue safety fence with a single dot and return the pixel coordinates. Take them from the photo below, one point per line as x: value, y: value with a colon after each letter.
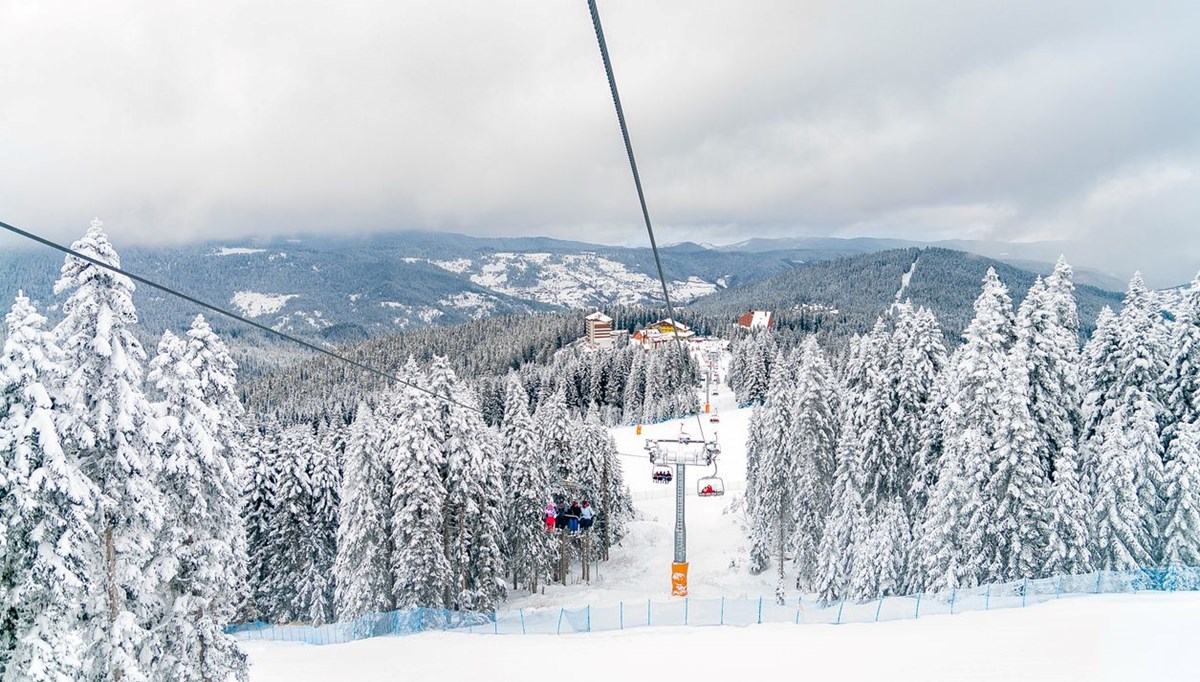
x: 737, y: 612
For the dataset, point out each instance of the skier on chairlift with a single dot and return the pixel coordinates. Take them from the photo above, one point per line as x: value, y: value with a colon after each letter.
x: 586, y: 516
x: 573, y: 517
x: 550, y: 513
x: 707, y: 490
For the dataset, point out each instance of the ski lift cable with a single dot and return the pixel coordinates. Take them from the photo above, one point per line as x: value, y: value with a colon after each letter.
x: 232, y: 315
x: 637, y: 181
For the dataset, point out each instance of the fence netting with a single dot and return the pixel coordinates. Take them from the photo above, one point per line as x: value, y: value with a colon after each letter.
x: 722, y: 611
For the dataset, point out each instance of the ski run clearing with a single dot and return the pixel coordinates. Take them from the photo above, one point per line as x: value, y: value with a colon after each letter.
x: 1105, y: 637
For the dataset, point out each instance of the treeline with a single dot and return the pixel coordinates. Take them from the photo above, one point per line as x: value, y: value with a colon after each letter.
x: 1018, y: 455
x: 418, y: 502
x: 625, y: 385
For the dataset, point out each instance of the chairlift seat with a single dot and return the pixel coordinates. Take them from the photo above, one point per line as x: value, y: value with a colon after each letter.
x: 710, y: 486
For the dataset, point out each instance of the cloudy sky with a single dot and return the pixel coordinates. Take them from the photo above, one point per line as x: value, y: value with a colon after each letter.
x: 1012, y: 121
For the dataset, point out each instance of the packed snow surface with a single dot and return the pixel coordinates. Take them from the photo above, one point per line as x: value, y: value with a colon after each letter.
x: 235, y: 251
x: 577, y: 280
x: 1146, y: 636
x: 254, y: 304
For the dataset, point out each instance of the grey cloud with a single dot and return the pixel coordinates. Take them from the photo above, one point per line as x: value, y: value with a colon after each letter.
x: 1004, y: 120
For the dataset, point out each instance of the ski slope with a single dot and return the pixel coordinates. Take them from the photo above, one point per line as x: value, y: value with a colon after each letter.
x: 639, y: 568
x: 1141, y: 636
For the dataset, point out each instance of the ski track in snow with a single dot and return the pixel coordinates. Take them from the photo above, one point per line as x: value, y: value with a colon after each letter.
x: 904, y: 280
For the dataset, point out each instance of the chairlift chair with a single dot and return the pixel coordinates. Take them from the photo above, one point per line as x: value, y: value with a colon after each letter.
x: 710, y: 486
x: 662, y: 475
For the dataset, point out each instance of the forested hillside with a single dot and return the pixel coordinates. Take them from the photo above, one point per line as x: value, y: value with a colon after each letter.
x: 861, y: 288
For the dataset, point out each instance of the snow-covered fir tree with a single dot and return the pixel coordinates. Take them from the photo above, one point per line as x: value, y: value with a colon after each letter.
x: 527, y: 490
x: 259, y: 601
x: 362, y: 569
x: 1181, y: 527
x: 1018, y: 485
x: 1127, y: 412
x: 317, y: 587
x: 202, y: 535
x: 771, y: 499
x: 46, y: 505
x: 815, y: 433
x: 111, y: 428
x: 1181, y: 389
x: 473, y: 515
x: 419, y: 564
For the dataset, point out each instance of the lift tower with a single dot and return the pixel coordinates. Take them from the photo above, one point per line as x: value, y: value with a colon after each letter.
x: 680, y: 453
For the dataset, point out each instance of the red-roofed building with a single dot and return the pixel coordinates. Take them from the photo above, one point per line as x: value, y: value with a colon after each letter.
x: 757, y: 319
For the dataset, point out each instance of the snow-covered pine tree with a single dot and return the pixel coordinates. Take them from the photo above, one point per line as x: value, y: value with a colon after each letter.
x: 1018, y: 486
x: 552, y: 425
x: 259, y: 514
x: 1181, y: 530
x: 420, y: 569
x: 46, y: 503
x: 772, y: 523
x: 941, y: 543
x: 112, y: 429
x: 362, y: 568
x: 202, y: 535
x: 1128, y: 406
x: 1181, y: 390
x: 916, y: 355
x: 527, y: 490
x: 317, y: 587
x: 473, y: 479
x: 979, y: 375
x: 835, y: 554
x: 286, y: 547
x: 1124, y: 532
x: 1068, y: 545
x: 815, y: 433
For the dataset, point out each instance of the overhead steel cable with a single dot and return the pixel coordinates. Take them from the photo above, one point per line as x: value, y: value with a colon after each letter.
x: 234, y: 316
x: 637, y: 181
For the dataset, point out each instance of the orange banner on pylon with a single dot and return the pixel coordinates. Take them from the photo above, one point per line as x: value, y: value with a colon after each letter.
x: 679, y: 580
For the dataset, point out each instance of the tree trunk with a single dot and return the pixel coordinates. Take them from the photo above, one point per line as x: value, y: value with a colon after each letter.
x: 111, y: 586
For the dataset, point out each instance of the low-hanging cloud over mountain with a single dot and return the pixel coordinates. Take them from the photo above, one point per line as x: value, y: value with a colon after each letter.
x: 1072, y: 121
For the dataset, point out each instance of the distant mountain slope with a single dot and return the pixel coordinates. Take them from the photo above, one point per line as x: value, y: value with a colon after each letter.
x: 343, y: 290
x: 863, y: 287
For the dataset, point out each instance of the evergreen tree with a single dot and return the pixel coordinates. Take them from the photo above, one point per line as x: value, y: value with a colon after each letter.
x: 259, y: 514
x: 420, y: 569
x: 362, y: 568
x: 46, y: 503
x: 527, y: 490
x: 773, y: 519
x: 202, y: 534
x: 473, y: 518
x: 1128, y: 414
x: 1124, y: 533
x: 1181, y: 390
x: 112, y: 429
x: 317, y: 587
x: 1019, y: 483
x: 942, y: 542
x: 287, y: 592
x: 1181, y: 531
x: 815, y: 433
x: 1068, y: 545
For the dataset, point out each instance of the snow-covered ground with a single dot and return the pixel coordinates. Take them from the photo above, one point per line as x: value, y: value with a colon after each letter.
x: 255, y: 304
x: 1143, y: 636
x: 1146, y: 636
